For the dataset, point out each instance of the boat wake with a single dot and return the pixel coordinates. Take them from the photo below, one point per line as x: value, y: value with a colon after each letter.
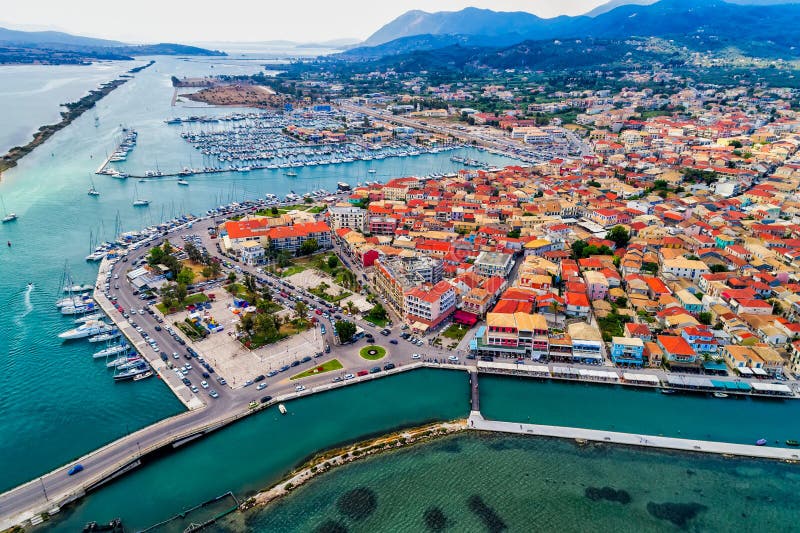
x: 28, y: 305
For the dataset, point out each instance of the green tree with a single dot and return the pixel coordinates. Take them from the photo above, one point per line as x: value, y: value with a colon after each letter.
x: 308, y: 247
x: 514, y: 234
x: 180, y: 292
x: 300, y: 310
x: 718, y: 268
x: 704, y: 318
x: 735, y: 144
x: 619, y: 235
x: 345, y: 330
x: 231, y: 277
x: 216, y: 268
x: 579, y: 249
x: 621, y: 301
x: 193, y: 252
x: 207, y: 272
x: 156, y: 256
x: 333, y: 262
x: 185, y: 276
x: 249, y: 283
x: 377, y: 312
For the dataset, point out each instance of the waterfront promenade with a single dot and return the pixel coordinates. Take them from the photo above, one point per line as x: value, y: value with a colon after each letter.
x: 477, y: 422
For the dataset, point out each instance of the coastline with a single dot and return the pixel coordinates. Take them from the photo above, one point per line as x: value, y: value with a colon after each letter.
x: 73, y: 111
x: 326, y: 461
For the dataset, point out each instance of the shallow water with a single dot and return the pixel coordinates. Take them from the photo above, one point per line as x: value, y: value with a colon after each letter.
x: 481, y: 482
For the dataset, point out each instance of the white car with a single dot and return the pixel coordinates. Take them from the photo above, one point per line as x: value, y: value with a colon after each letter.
x: 195, y: 389
x: 299, y: 388
x: 416, y: 356
x: 261, y: 386
x: 349, y: 376
x: 452, y: 359
x: 204, y: 384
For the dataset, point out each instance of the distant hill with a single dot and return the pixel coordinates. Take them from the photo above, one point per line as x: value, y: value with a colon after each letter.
x: 58, y: 47
x: 52, y: 38
x: 712, y: 23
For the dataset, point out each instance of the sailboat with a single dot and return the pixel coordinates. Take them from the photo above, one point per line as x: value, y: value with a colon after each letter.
x: 139, y: 202
x: 93, y: 191
x: 7, y: 217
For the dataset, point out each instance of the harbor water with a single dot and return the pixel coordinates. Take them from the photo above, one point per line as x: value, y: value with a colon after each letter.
x: 56, y: 402
x: 259, y: 450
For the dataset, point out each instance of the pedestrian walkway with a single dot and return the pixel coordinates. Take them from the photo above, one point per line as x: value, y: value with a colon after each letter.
x: 476, y: 421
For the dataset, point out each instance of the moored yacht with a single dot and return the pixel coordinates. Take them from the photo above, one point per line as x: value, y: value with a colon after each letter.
x: 88, y: 329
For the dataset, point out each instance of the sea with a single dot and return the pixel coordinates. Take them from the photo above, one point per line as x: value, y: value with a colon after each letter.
x: 57, y: 403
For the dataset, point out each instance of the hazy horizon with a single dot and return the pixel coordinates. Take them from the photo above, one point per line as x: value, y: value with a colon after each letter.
x: 248, y: 21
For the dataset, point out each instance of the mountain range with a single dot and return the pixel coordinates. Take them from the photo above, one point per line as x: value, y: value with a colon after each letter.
x: 714, y: 23
x: 57, y: 47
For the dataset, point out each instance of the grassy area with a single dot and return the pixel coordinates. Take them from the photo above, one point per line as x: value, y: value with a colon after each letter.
x: 294, y: 269
x: 319, y: 291
x: 311, y: 208
x: 372, y: 352
x: 191, y: 299
x: 197, y: 268
x: 327, y: 366
x: 455, y: 331
x: 192, y: 331
x: 381, y: 323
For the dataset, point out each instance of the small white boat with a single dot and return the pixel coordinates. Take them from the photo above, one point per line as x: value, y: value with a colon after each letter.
x: 79, y: 288
x: 720, y: 395
x: 282, y: 408
x: 183, y: 182
x: 139, y: 377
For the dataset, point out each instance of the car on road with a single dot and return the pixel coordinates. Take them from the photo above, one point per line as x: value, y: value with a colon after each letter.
x: 213, y: 393
x: 158, y: 328
x: 206, y: 375
x: 75, y: 469
x: 305, y: 359
x: 322, y: 329
x: 248, y: 382
x: 393, y: 341
x: 362, y: 373
x: 416, y: 356
x: 349, y: 376
x: 388, y: 366
x: 204, y: 384
x: 337, y: 379
x: 175, y: 355
x: 453, y: 358
x: 374, y: 370
x: 295, y: 363
x: 221, y: 380
x: 272, y: 373
x: 299, y: 388
x: 194, y: 389
x: 265, y: 399
x: 284, y: 368
x: 261, y: 386
x: 385, y: 332
x: 186, y: 382
x: 258, y: 378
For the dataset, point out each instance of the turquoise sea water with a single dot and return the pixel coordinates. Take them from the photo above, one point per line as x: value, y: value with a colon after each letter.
x: 259, y: 450
x: 492, y: 483
x: 57, y: 402
x: 634, y: 410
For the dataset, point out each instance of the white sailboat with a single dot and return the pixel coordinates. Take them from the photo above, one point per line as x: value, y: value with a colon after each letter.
x: 92, y: 190
x: 7, y: 217
x: 139, y: 202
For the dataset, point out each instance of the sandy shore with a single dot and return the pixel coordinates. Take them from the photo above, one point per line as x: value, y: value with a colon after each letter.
x: 328, y: 460
x: 237, y: 95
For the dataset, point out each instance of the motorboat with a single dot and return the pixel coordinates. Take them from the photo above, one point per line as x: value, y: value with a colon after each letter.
x: 720, y: 395
x: 282, y: 408
x: 79, y: 309
x: 111, y: 350
x: 96, y: 256
x: 94, y: 327
x: 145, y: 375
x: 79, y: 288
x: 105, y: 337
x: 792, y: 443
x: 87, y: 318
x: 73, y: 300
x: 667, y: 391
x: 761, y: 442
x: 131, y: 373
x: 183, y: 182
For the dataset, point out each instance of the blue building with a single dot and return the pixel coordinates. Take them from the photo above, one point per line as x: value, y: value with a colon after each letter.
x: 627, y: 351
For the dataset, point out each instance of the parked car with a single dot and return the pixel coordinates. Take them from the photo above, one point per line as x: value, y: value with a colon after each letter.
x: 75, y: 469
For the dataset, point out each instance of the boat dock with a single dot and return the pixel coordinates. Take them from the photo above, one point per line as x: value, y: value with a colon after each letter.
x: 181, y: 391
x: 477, y: 422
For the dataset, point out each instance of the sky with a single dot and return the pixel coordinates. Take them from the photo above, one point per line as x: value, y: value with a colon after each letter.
x: 245, y: 20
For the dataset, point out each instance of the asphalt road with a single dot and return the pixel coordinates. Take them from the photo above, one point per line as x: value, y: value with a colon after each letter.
x: 42, y: 493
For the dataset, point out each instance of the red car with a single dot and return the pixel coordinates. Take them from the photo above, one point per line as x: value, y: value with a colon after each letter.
x: 362, y: 373
x: 318, y: 311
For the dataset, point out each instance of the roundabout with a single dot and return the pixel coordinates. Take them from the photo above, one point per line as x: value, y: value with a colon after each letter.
x: 372, y: 352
